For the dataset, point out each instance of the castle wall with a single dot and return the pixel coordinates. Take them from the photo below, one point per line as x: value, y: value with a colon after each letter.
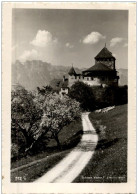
x: 93, y: 81
x: 72, y: 79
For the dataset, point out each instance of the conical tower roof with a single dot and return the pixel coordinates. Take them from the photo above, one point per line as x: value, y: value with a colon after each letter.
x: 72, y: 71
x: 104, y: 53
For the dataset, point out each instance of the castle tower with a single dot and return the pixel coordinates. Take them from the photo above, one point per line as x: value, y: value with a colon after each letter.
x: 103, y: 72
x: 72, y: 71
x: 72, y: 76
x: 106, y: 57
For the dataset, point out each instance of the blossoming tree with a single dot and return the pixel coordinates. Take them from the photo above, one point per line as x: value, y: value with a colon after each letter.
x: 58, y: 113
x: 36, y: 115
x: 26, y: 114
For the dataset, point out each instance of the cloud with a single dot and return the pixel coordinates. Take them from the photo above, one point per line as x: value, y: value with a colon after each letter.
x: 115, y: 41
x: 69, y: 45
x: 29, y: 55
x: 93, y: 38
x: 43, y: 38
x: 125, y: 45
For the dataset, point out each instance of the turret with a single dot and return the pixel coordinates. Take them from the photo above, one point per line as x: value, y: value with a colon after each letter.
x: 106, y: 57
x: 72, y: 76
x: 72, y: 71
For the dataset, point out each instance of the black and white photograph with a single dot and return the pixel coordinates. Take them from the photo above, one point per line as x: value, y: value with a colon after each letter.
x: 69, y: 95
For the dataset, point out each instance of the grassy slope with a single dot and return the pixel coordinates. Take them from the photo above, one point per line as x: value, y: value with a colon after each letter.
x: 69, y: 137
x: 109, y: 163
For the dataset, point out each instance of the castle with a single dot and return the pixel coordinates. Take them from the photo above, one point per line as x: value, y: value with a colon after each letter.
x: 103, y: 73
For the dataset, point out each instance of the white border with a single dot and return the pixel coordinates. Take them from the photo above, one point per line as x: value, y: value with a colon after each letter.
x: 6, y: 88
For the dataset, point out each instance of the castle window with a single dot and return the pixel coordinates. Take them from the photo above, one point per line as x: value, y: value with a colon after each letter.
x: 87, y: 78
x: 75, y: 77
x: 91, y: 78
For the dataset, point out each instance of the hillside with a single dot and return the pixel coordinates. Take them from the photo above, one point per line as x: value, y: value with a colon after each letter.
x: 109, y: 163
x: 32, y: 74
x: 35, y: 165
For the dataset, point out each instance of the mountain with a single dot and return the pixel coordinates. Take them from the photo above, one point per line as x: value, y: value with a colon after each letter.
x: 36, y: 73
x: 123, y: 74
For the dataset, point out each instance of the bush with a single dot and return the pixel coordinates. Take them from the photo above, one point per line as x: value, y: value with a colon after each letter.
x: 109, y: 96
x: 96, y: 97
x: 121, y: 95
x: 84, y: 95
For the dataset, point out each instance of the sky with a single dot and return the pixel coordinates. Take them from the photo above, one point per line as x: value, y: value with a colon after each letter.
x: 66, y: 37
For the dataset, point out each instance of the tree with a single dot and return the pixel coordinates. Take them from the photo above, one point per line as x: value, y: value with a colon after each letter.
x: 26, y: 113
x: 121, y: 95
x: 83, y: 94
x: 44, y: 90
x: 39, y: 116
x: 115, y: 95
x: 108, y: 97
x: 58, y: 113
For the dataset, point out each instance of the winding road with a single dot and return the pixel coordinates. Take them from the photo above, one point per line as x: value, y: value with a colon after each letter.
x: 72, y: 165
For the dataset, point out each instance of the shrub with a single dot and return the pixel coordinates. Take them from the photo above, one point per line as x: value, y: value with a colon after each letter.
x: 121, y: 95
x: 96, y: 97
x: 116, y: 95
x: 83, y: 93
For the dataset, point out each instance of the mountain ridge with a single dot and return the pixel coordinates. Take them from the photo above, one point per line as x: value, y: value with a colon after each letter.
x: 36, y: 73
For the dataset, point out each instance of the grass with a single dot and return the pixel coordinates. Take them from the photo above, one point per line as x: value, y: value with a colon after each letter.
x: 32, y: 167
x: 109, y: 163
x: 31, y: 172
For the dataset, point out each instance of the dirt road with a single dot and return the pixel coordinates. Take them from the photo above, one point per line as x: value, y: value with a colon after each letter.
x: 72, y: 165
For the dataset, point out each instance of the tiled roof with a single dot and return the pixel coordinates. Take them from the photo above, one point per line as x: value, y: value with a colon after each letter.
x: 104, y: 53
x: 98, y: 67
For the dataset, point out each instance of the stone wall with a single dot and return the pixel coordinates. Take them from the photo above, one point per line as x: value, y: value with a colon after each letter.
x: 93, y: 81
